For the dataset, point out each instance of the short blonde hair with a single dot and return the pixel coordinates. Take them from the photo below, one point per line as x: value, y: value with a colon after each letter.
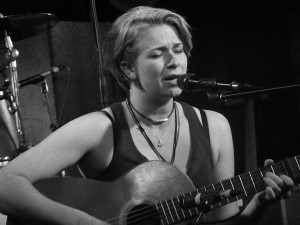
x: 127, y: 28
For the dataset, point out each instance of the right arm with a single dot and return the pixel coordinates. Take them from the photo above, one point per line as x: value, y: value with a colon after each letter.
x: 61, y: 149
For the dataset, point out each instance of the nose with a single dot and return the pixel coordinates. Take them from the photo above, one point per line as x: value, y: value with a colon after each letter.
x: 172, y: 61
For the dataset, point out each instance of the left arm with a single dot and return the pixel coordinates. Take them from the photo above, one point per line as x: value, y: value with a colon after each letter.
x: 223, y: 160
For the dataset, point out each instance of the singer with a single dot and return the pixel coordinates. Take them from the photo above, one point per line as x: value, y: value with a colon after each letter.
x: 143, y: 154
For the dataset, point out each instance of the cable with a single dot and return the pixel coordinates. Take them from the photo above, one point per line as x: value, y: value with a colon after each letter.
x: 64, y: 98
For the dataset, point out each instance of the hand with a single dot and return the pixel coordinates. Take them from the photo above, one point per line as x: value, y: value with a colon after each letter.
x: 277, y: 186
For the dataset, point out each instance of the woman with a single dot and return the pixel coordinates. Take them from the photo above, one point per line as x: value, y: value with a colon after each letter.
x: 147, y: 50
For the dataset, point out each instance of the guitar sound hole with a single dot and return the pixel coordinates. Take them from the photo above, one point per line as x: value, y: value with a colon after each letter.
x: 143, y: 215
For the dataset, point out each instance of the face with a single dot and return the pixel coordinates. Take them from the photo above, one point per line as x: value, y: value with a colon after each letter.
x: 159, y: 61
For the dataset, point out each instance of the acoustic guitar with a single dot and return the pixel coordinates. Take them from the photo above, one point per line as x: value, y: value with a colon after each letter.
x: 152, y: 193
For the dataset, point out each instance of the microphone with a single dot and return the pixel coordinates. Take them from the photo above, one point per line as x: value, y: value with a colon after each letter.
x: 185, y: 83
x: 40, y: 77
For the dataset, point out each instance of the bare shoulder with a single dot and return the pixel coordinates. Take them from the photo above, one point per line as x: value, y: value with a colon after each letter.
x: 97, y: 117
x: 220, y: 138
x: 219, y: 128
x: 215, y: 119
x: 88, y: 123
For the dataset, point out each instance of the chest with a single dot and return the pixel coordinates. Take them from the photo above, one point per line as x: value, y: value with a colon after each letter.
x: 168, y: 142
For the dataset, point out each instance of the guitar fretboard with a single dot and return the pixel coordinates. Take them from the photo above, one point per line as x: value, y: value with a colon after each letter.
x: 171, y: 211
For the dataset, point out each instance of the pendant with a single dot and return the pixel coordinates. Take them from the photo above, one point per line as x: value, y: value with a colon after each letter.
x: 160, y: 143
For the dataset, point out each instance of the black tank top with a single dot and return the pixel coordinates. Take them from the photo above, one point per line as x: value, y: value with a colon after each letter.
x: 126, y: 156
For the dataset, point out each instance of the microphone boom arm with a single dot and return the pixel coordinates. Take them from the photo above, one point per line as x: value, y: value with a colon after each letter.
x: 225, y: 96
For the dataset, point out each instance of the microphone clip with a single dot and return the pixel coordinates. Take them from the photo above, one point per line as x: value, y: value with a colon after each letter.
x: 204, y: 199
x: 201, y: 200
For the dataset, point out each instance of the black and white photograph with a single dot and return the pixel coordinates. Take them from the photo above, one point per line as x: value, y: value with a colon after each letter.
x: 149, y: 112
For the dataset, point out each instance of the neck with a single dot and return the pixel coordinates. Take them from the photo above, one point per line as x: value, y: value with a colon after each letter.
x: 151, y: 109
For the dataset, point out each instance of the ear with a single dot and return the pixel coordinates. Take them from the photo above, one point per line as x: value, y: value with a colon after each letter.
x: 128, y: 70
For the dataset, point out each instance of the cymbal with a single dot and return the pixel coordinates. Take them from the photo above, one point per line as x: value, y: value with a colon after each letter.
x: 23, y: 26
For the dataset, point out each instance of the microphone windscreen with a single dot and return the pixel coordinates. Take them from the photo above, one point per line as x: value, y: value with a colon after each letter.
x: 183, y: 81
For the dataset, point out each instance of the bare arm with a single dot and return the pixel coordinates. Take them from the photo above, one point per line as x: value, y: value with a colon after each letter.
x: 223, y: 157
x: 58, y: 151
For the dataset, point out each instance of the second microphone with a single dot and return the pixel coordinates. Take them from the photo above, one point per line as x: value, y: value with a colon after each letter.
x: 40, y: 77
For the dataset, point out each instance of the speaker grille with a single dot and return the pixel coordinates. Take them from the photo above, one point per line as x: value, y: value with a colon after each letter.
x: 34, y: 58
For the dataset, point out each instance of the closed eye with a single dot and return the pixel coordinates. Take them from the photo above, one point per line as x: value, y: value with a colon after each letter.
x: 154, y: 56
x: 178, y: 49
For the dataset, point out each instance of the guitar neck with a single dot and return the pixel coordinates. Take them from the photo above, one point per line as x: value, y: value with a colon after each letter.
x: 248, y: 184
x: 251, y: 183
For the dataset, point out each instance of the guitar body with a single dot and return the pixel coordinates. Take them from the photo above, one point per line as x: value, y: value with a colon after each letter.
x: 153, y: 194
x: 146, y: 184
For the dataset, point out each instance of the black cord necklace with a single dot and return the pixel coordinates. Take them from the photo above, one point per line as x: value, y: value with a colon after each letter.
x: 157, y: 121
x: 142, y: 130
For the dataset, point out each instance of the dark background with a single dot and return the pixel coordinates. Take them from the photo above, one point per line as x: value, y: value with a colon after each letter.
x: 255, y: 42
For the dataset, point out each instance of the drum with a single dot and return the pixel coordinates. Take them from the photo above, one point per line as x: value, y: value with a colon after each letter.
x: 9, y: 138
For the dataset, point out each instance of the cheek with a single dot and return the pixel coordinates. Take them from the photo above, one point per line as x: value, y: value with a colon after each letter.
x: 151, y: 70
x: 183, y: 62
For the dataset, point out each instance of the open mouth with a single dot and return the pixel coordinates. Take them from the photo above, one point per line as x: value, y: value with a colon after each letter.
x: 172, y: 77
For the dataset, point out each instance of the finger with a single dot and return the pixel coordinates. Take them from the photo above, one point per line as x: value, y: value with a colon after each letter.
x: 281, y: 186
x: 288, y: 182
x: 271, y: 183
x: 276, y: 179
x: 268, y: 162
x: 270, y: 194
x: 286, y: 190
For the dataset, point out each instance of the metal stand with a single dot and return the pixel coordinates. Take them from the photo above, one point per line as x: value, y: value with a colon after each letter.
x: 251, y: 148
x: 53, y: 126
x: 19, y: 27
x: 45, y: 90
x: 225, y: 96
x: 13, y: 97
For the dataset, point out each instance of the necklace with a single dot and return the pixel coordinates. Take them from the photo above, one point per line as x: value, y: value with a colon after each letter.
x: 154, y: 120
x: 159, y: 140
x: 176, y: 133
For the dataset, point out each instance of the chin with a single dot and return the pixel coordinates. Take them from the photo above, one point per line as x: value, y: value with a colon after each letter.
x: 176, y: 92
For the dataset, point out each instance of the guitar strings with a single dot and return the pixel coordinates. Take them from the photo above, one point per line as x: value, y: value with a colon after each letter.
x: 154, y: 217
x: 138, y: 216
x: 153, y: 212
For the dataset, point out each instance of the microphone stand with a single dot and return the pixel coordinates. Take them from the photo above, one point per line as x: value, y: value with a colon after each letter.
x: 15, y: 104
x: 250, y: 148
x: 45, y: 90
x: 225, y: 96
x: 53, y: 126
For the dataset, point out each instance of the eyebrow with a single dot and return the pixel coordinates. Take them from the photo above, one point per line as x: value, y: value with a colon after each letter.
x: 161, y: 48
